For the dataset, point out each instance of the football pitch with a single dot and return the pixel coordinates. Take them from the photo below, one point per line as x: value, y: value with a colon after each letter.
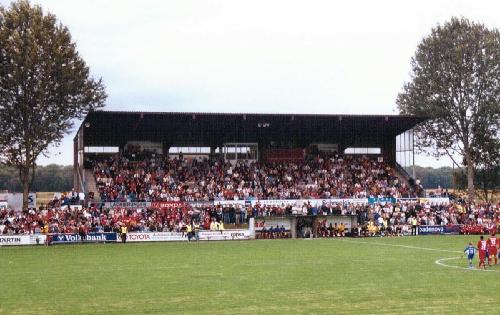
x: 411, y: 275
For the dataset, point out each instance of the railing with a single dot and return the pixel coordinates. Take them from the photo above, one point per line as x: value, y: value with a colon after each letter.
x: 411, y: 181
x: 403, y: 170
x: 82, y: 179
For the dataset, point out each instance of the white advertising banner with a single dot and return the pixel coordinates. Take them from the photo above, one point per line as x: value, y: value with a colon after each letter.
x: 14, y: 240
x: 36, y: 239
x: 32, y: 200
x: 155, y: 237
x: 438, y: 201
x: 229, y: 202
x: 6, y: 240
x: 175, y: 236
x: 225, y: 235
x: 278, y: 202
x: 313, y: 202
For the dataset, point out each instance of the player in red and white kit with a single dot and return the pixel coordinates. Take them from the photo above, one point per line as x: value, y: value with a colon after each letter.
x: 492, y: 244
x: 482, y: 247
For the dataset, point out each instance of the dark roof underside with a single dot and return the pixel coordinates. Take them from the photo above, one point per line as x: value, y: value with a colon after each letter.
x: 108, y: 128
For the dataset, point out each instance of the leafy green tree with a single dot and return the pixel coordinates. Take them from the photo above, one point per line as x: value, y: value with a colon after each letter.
x: 455, y: 80
x: 434, y: 177
x: 487, y: 181
x: 50, y: 178
x: 44, y: 86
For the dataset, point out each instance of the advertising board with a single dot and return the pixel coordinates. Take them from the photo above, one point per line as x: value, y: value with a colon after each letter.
x: 6, y: 240
x: 168, y: 204
x: 177, y: 236
x: 89, y: 238
x: 438, y: 229
x: 32, y: 239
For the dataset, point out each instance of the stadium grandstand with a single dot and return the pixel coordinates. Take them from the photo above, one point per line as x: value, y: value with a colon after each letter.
x: 260, y: 138
x: 258, y: 175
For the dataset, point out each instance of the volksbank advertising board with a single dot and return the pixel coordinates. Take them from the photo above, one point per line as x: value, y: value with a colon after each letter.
x: 89, y: 238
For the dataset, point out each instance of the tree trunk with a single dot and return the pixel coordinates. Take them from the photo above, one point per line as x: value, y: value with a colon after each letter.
x: 25, y: 180
x: 470, y: 180
x: 486, y: 195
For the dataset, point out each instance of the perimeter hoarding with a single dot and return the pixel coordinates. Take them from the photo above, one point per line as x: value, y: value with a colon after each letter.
x: 179, y: 237
x: 438, y: 229
x: 32, y: 239
x: 89, y: 238
x: 14, y: 240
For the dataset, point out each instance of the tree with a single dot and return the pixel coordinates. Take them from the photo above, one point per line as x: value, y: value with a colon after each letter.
x: 44, y: 86
x: 50, y: 178
x: 455, y: 80
x: 434, y: 177
x: 487, y: 181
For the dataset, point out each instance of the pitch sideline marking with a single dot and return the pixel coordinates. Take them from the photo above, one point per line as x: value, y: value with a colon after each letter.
x: 438, y: 262
x: 403, y: 246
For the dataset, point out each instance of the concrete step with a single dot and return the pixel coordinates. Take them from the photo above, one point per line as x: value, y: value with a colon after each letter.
x: 91, y: 184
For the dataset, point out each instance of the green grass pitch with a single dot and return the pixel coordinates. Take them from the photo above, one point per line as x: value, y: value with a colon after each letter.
x: 322, y: 276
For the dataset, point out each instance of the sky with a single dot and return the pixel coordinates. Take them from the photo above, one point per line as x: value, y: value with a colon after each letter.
x: 329, y: 57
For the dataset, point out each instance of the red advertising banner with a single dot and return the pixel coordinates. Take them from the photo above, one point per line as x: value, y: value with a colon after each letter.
x: 169, y: 204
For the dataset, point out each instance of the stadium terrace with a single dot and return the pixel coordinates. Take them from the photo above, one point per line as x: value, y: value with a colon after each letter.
x: 165, y: 176
x: 242, y: 137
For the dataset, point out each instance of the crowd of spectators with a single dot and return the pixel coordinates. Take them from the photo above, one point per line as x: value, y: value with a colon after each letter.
x: 74, y: 220
x: 157, y: 178
x: 398, y: 218
x: 66, y: 199
x: 154, y: 178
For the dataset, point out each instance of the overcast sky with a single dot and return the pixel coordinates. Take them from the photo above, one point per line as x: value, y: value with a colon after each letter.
x: 345, y: 57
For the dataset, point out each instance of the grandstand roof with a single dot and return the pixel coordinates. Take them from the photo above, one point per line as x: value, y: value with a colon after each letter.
x: 115, y: 128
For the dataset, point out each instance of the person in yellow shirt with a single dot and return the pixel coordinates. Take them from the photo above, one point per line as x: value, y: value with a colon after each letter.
x: 221, y: 227
x: 189, y: 230
x: 341, y: 229
x: 45, y: 230
x: 372, y: 229
x: 414, y: 226
x: 197, y: 231
x: 123, y: 233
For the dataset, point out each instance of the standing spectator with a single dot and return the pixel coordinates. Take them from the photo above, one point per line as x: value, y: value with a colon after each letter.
x: 189, y: 230
x: 81, y: 232
x: 197, y: 231
x: 413, y: 226
x: 123, y: 233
